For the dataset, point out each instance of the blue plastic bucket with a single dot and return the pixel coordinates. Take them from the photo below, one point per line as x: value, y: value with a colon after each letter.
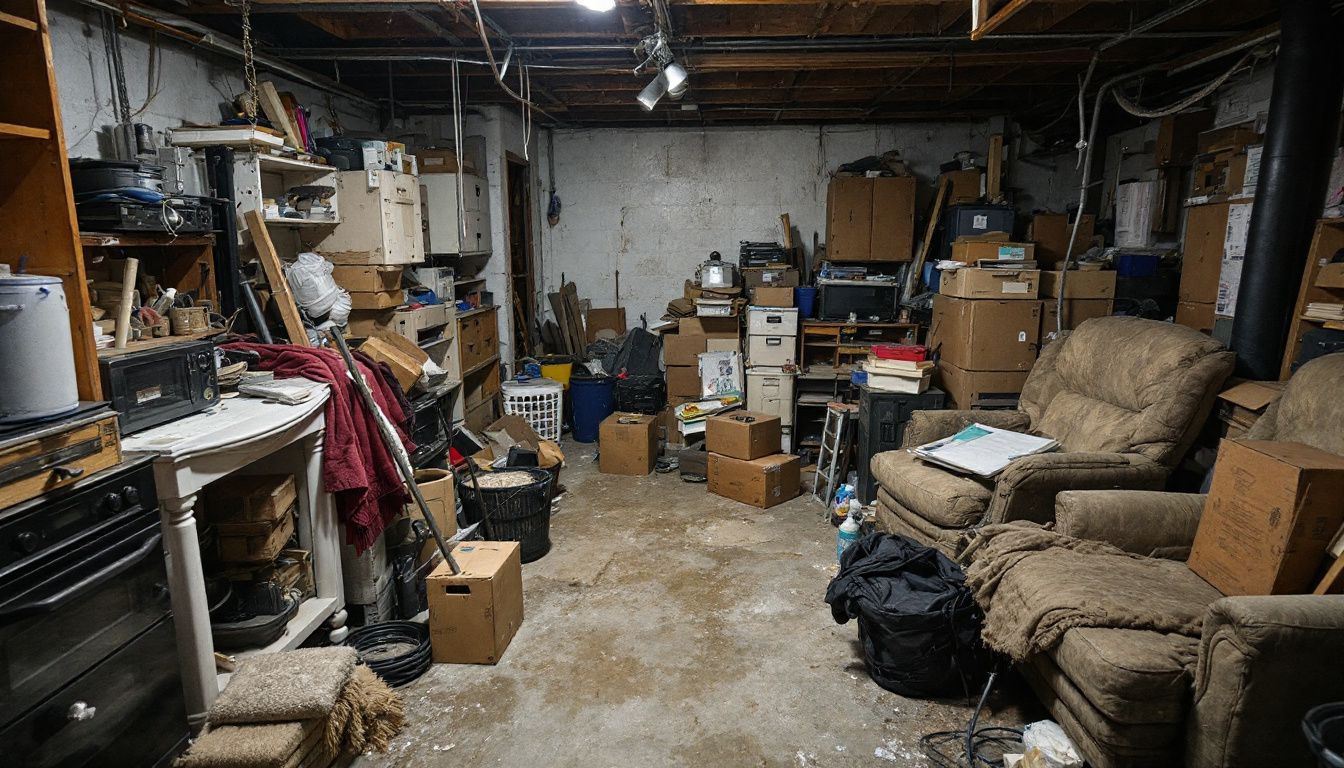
x: 805, y: 296
x: 594, y: 399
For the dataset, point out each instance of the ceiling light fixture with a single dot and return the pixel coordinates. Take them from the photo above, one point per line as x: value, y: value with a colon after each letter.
x: 672, y: 79
x: 601, y: 6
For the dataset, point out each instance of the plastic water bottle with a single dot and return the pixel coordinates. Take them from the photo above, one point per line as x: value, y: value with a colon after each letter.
x: 849, y: 530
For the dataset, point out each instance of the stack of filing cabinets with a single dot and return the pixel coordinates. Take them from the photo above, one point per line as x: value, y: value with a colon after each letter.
x: 772, y: 363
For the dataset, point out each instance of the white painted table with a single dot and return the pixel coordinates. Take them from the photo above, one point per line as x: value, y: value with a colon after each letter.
x: 242, y: 435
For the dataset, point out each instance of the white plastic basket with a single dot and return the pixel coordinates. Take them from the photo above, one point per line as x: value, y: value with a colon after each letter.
x: 540, y: 403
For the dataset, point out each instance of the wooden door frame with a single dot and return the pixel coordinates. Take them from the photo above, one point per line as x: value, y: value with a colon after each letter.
x: 511, y: 161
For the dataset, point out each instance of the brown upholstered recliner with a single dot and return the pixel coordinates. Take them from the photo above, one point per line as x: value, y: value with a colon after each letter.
x: 1124, y: 696
x: 1124, y: 397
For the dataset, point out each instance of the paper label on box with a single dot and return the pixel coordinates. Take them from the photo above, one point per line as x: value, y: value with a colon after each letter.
x: 373, y: 179
x: 1022, y: 336
x: 1252, y: 176
x: 980, y: 221
x: 1229, y: 283
x: 1012, y: 252
x: 1015, y: 287
x: 1238, y: 225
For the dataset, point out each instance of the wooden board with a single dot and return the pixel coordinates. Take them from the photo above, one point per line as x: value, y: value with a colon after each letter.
x: 557, y: 303
x: 275, y: 276
x: 912, y: 277
x: 275, y: 111
x: 1327, y: 240
x: 574, y: 313
x: 994, y: 169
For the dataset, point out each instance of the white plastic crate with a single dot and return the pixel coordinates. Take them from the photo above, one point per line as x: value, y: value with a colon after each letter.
x: 539, y: 402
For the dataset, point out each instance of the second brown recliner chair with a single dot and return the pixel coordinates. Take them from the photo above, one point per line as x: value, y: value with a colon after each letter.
x: 1125, y: 397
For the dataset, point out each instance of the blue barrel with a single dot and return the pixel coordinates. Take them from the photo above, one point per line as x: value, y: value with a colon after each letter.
x: 594, y: 399
x: 805, y: 297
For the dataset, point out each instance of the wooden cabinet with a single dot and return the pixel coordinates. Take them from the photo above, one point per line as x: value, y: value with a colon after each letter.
x: 870, y: 219
x: 446, y: 235
x: 380, y: 220
x: 478, y: 350
x: 478, y: 337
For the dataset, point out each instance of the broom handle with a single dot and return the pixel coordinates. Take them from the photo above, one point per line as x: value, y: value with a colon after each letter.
x: 394, y: 447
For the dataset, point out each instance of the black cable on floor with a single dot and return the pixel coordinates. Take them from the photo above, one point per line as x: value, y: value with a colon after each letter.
x: 397, y: 651
x: 971, y: 741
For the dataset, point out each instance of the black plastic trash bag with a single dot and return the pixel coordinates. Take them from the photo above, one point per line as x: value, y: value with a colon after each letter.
x: 918, y: 622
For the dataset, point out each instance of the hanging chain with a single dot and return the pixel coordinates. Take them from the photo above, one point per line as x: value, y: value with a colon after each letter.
x: 252, y: 102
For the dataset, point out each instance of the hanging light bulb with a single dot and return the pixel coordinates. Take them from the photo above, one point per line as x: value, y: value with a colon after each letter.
x: 601, y: 6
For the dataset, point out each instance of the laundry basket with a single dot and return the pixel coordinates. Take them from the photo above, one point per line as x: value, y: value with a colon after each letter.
x: 539, y: 402
x: 518, y: 504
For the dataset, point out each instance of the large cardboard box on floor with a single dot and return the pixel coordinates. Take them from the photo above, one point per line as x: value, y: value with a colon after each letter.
x: 762, y: 482
x: 1195, y: 315
x: 743, y: 434
x: 1080, y: 284
x: 474, y: 615
x: 627, y: 444
x: 979, y: 389
x: 986, y: 334
x: 1271, y: 511
x: 1051, y: 233
x: 972, y: 283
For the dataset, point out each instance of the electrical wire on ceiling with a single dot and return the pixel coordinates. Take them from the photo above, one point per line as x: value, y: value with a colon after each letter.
x: 490, y: 57
x: 461, y: 155
x: 1134, y: 109
x: 525, y: 87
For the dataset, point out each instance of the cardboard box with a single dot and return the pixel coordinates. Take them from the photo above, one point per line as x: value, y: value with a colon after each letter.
x: 973, y: 283
x: 770, y: 277
x: 377, y: 299
x: 1081, y: 284
x: 1235, y: 138
x: 1271, y: 511
x: 966, y: 185
x: 762, y: 482
x: 992, y: 246
x: 604, y: 323
x: 682, y: 348
x: 627, y: 444
x: 1051, y: 232
x: 719, y: 327
x: 1178, y: 136
x: 257, y: 542
x: 683, y: 381
x: 1202, y: 252
x: 1195, y: 315
x: 437, y: 161
x: 367, y: 279
x: 725, y: 344
x: 365, y: 322
x: 1331, y: 276
x: 436, y: 486
x: 986, y: 334
x: 474, y: 615
x: 771, y: 296
x: 1076, y: 311
x: 743, y: 434
x: 979, y: 389
x: 1243, y: 403
x: 249, y: 498
x: 406, y: 367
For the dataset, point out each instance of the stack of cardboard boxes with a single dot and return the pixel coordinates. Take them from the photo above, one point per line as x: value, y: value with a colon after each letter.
x: 745, y: 463
x: 986, y: 326
x: 772, y: 358
x: 1088, y: 293
x: 681, y: 356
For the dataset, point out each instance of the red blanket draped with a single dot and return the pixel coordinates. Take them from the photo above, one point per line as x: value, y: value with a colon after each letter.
x: 357, y: 469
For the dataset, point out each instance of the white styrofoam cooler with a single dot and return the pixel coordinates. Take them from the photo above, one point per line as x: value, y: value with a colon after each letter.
x: 773, y: 351
x: 770, y: 390
x: 772, y: 321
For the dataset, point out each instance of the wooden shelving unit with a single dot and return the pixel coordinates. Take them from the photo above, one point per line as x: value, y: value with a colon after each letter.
x: 834, y: 346
x: 1328, y: 240
x: 37, y: 210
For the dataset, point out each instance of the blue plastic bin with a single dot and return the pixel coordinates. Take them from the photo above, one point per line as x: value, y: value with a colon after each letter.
x: 594, y: 399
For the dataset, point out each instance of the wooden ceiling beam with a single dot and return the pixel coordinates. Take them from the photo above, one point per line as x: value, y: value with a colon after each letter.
x: 983, y: 26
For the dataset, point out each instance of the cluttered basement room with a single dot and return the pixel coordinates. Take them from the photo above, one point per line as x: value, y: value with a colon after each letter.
x: 685, y: 383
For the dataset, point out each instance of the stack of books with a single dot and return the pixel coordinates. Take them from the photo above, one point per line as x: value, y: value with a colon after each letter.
x: 1318, y: 310
x: 905, y: 376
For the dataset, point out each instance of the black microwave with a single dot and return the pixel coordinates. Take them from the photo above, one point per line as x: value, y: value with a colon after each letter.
x: 160, y: 385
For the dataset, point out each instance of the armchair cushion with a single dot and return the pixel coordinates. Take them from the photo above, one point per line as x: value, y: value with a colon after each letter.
x: 1026, y: 490
x: 1151, y: 523
x: 1131, y: 676
x: 944, y: 498
x: 927, y: 426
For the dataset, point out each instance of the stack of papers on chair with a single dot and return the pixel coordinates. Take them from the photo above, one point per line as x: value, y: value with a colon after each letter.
x: 906, y: 376
x: 981, y: 450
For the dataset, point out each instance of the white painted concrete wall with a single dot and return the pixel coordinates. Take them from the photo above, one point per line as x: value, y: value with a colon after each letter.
x: 653, y: 203
x: 187, y: 84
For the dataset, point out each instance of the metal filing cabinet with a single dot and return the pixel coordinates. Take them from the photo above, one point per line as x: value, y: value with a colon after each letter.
x: 882, y: 420
x: 380, y: 220
x: 446, y: 236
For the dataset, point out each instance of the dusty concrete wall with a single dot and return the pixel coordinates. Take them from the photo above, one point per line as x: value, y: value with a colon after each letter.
x: 186, y: 84
x: 653, y: 203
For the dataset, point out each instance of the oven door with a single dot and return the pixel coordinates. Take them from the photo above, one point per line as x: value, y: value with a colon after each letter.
x: 72, y: 606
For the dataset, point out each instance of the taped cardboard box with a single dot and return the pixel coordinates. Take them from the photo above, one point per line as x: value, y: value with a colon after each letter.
x: 1051, y: 233
x: 475, y: 614
x: 762, y: 482
x: 406, y: 366
x: 1076, y: 312
x: 770, y: 296
x: 1243, y: 403
x: 1196, y: 315
x: 1272, y: 510
x: 993, y: 245
x: 966, y: 390
x: 683, y: 381
x: 1080, y: 284
x: 986, y: 334
x: 627, y: 444
x: 364, y: 322
x: 367, y: 279
x: 714, y: 327
x: 377, y: 299
x: 683, y: 348
x: 776, y: 277
x: 972, y: 283
x: 743, y: 434
x: 249, y: 498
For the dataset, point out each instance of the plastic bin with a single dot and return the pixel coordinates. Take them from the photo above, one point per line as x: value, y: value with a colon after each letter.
x: 1136, y: 264
x: 539, y: 402
x: 557, y: 369
x: 594, y: 400
x: 805, y: 296
x: 517, y: 512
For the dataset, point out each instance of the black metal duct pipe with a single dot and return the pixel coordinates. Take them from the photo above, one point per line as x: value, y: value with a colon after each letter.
x: 1294, y: 169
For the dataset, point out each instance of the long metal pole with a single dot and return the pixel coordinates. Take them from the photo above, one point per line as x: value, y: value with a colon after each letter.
x: 394, y: 447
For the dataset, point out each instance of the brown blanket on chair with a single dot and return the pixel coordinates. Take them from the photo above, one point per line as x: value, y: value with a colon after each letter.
x: 1034, y: 585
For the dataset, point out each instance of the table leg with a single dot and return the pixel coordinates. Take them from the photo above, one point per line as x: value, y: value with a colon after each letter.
x: 325, y: 532
x: 191, y: 610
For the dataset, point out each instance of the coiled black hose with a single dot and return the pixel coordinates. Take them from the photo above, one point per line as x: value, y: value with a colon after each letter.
x: 396, y: 651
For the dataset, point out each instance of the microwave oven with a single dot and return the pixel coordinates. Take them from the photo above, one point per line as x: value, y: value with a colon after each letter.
x: 159, y: 385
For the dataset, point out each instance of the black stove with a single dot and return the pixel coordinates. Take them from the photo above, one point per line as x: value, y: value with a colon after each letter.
x: 88, y: 657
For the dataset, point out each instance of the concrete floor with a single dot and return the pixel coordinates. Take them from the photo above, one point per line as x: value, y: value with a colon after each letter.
x: 672, y: 627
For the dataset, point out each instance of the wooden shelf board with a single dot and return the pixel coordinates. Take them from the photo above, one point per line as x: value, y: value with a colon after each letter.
x: 486, y: 363
x: 472, y: 281
x: 10, y: 20
x: 14, y: 131
x: 155, y: 343
x: 128, y: 239
x: 283, y: 222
